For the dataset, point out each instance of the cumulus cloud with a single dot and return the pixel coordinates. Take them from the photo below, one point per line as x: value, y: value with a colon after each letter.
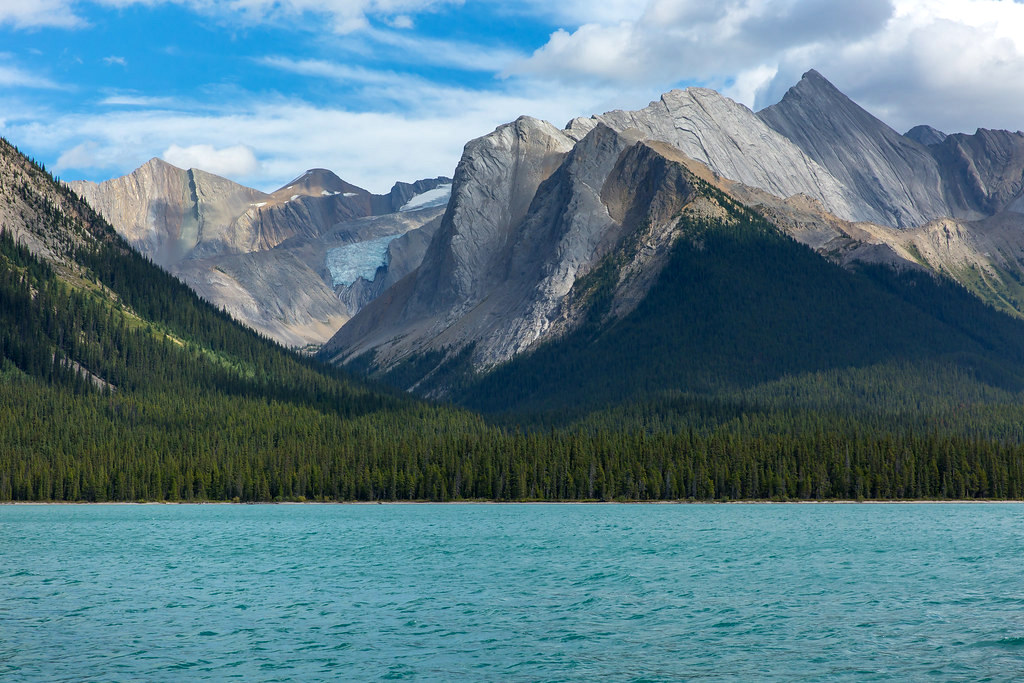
x: 265, y: 143
x: 956, y: 64
x: 688, y: 39
x: 235, y: 161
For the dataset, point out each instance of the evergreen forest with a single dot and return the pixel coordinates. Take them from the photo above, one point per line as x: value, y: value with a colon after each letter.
x: 735, y: 379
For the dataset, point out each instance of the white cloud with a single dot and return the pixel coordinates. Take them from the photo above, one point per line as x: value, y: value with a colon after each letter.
x: 679, y: 40
x: 574, y: 13
x: 419, y: 50
x: 38, y: 13
x: 111, y: 60
x: 236, y: 161
x: 956, y: 64
x: 346, y: 16
x: 402, y: 21
x: 125, y: 100
x: 334, y: 71
x: 14, y: 77
x: 264, y: 144
x: 83, y: 155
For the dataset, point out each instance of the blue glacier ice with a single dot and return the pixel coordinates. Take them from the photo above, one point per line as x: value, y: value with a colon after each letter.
x: 359, y: 260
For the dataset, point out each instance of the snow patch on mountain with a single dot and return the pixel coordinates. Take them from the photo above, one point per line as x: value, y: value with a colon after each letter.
x: 437, y: 197
x: 359, y: 260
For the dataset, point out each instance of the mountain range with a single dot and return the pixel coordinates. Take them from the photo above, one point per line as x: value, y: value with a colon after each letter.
x: 294, y: 264
x: 629, y: 305
x: 536, y: 210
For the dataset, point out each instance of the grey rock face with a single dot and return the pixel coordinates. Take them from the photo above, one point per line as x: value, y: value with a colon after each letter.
x: 732, y: 141
x: 578, y: 215
x: 535, y: 209
x: 262, y: 257
x: 494, y: 184
x: 925, y: 135
x: 983, y: 173
x: 167, y: 213
x: 895, y: 176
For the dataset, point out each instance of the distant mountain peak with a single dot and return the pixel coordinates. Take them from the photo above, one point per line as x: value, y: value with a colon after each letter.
x: 894, y: 176
x: 813, y: 84
x: 317, y: 182
x: 925, y: 135
x: 156, y: 163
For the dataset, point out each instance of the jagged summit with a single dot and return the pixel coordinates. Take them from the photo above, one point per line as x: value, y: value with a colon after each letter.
x: 894, y: 175
x: 925, y: 135
x: 733, y: 142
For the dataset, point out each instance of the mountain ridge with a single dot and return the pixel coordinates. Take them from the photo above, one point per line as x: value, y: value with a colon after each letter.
x: 260, y: 256
x: 509, y: 304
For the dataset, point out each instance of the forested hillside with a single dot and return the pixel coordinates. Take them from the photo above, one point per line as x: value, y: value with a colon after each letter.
x: 117, y: 383
x: 741, y: 306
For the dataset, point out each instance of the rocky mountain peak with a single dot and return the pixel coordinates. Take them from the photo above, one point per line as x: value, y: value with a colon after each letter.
x: 317, y: 182
x: 925, y: 135
x: 733, y: 142
x: 894, y: 175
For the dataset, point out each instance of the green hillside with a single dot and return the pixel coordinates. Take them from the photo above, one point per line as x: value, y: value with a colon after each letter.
x: 743, y: 308
x: 117, y: 383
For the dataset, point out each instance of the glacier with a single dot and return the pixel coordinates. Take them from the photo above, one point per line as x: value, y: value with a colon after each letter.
x: 359, y: 260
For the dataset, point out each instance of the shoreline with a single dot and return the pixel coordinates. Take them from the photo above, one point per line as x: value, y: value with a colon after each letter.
x: 893, y: 501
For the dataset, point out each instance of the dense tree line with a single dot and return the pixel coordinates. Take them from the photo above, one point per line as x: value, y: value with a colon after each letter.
x: 117, y: 383
x: 740, y: 305
x: 58, y: 446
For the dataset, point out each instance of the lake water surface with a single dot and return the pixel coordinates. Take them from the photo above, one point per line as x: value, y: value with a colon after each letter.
x: 512, y: 592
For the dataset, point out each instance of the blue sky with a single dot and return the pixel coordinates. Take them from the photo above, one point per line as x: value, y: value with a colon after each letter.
x: 385, y: 90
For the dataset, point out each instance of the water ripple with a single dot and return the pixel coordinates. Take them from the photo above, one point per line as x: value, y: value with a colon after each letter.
x: 530, y: 592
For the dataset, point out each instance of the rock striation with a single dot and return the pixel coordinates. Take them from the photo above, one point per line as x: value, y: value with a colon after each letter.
x: 538, y: 213
x: 734, y: 142
x: 263, y: 257
x: 894, y: 175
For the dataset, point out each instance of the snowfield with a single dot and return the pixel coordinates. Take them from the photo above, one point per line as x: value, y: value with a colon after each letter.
x: 436, y: 197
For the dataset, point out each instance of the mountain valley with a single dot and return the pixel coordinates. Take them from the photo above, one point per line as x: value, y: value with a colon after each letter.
x: 267, y: 258
x: 689, y: 301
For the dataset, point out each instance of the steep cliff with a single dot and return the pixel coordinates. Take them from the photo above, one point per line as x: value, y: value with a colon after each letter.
x: 733, y: 142
x: 894, y: 175
x: 267, y: 258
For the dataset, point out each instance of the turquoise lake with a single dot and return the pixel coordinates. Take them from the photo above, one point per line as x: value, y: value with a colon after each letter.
x: 853, y: 592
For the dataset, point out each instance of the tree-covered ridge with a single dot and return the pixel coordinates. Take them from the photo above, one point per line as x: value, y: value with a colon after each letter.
x: 741, y: 305
x: 117, y: 383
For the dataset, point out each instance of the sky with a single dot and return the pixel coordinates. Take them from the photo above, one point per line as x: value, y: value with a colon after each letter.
x: 259, y: 91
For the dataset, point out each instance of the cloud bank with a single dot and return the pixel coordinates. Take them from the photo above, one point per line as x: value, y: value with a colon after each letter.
x: 377, y: 97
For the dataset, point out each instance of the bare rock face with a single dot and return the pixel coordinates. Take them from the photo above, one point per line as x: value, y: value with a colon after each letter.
x: 895, y: 176
x: 495, y: 182
x: 925, y: 135
x: 735, y: 143
x: 983, y: 173
x: 499, y: 258
x: 270, y: 260
x: 580, y: 214
x: 535, y: 210
x: 166, y: 212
